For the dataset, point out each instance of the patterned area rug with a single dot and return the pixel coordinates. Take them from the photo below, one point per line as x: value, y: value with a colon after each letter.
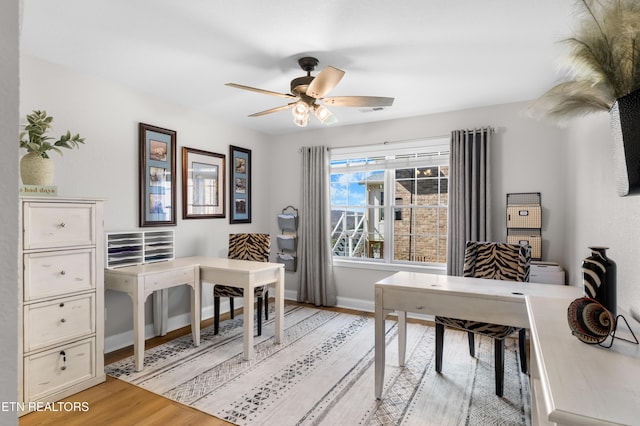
x: 323, y: 374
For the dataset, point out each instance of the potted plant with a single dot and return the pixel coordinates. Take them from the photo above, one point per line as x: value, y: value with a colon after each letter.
x: 604, y: 75
x: 36, y: 168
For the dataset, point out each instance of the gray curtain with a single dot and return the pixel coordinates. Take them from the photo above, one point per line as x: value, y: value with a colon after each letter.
x: 315, y: 276
x: 469, y: 189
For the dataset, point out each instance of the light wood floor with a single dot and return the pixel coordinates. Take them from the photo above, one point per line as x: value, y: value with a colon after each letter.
x: 118, y: 403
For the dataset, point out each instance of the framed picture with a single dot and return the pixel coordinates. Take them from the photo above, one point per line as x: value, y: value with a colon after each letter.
x: 157, y: 176
x: 203, y: 184
x: 239, y: 185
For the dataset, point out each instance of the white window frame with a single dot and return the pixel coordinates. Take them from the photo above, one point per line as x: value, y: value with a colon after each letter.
x: 390, y: 156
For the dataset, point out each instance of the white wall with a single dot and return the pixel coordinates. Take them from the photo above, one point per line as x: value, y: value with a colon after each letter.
x: 9, y: 101
x: 526, y: 156
x: 595, y: 214
x: 107, y: 115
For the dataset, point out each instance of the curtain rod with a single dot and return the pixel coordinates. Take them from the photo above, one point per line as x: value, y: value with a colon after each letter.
x: 493, y: 129
x: 391, y: 142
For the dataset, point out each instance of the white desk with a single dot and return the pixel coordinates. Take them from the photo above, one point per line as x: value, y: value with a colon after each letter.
x: 497, y: 302
x: 576, y: 383
x: 142, y: 280
x: 247, y: 275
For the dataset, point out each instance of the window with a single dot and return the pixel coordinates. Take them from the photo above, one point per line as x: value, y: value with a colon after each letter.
x: 389, y: 202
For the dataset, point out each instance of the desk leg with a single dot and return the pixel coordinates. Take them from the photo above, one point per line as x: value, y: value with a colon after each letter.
x: 402, y: 337
x: 161, y: 311
x: 279, y: 322
x: 138, y: 298
x: 249, y: 299
x: 379, y: 344
x: 195, y: 307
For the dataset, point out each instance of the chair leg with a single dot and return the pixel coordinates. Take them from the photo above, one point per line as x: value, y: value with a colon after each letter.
x: 523, y: 351
x: 439, y: 346
x: 216, y: 314
x: 472, y: 344
x: 259, y: 315
x: 231, y: 310
x: 266, y: 303
x: 499, y: 361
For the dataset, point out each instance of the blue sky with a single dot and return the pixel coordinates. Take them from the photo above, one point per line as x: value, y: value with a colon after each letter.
x: 346, y: 188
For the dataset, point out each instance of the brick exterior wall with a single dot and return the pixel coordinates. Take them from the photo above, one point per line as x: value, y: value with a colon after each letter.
x: 420, y: 231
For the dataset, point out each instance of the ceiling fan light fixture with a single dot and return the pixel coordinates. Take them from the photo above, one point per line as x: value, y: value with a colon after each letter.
x: 323, y: 114
x: 302, y: 120
x: 308, y: 89
x: 300, y: 109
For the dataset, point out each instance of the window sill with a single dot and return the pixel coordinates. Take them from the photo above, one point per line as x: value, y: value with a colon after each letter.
x: 393, y: 267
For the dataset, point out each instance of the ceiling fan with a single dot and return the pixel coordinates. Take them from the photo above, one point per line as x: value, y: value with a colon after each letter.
x: 306, y: 91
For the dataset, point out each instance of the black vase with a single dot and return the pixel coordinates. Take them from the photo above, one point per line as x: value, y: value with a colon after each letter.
x: 625, y: 127
x: 599, y: 278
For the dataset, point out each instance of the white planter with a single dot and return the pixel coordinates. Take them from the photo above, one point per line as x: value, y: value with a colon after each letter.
x: 36, y: 170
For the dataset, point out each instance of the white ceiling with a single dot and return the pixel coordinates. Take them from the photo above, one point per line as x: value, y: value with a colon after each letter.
x: 431, y: 55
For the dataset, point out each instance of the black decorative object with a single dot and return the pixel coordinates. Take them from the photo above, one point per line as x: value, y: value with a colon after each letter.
x: 599, y: 278
x: 592, y: 323
x: 625, y: 126
x: 589, y: 321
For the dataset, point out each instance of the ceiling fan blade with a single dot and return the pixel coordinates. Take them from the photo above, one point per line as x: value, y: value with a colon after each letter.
x: 359, y: 101
x: 324, y: 82
x: 276, y: 109
x: 265, y: 92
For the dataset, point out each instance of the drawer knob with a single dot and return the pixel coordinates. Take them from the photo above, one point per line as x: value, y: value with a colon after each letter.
x: 420, y: 307
x: 62, y: 304
x: 62, y: 320
x: 62, y: 225
x: 63, y: 272
x: 64, y: 360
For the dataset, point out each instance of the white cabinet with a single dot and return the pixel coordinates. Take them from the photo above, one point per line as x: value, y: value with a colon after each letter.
x: 61, y: 297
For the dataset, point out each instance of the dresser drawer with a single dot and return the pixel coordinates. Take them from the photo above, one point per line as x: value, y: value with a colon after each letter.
x: 51, y: 371
x: 58, y: 321
x: 48, y: 274
x: 50, y: 225
x: 164, y: 280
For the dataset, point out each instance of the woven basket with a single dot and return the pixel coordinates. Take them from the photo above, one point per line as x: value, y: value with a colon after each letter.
x: 535, y: 241
x: 524, y: 216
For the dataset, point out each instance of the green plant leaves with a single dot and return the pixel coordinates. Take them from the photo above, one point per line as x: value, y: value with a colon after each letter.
x: 34, y: 138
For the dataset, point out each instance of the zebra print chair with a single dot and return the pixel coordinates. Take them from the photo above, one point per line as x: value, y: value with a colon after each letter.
x: 245, y: 247
x: 498, y: 261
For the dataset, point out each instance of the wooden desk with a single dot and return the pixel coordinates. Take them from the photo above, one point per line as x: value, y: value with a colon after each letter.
x: 498, y: 302
x: 142, y: 280
x: 576, y: 383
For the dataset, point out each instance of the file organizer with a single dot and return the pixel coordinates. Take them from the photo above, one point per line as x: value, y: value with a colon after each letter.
x: 524, y: 221
x: 288, y: 238
x: 138, y: 247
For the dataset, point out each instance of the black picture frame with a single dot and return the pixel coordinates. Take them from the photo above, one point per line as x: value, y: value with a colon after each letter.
x: 239, y: 185
x: 203, y: 184
x: 157, y: 188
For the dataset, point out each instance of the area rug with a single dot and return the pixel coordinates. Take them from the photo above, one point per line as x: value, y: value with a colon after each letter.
x: 323, y: 373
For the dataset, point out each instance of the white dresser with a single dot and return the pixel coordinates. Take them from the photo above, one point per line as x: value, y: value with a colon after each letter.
x: 62, y: 297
